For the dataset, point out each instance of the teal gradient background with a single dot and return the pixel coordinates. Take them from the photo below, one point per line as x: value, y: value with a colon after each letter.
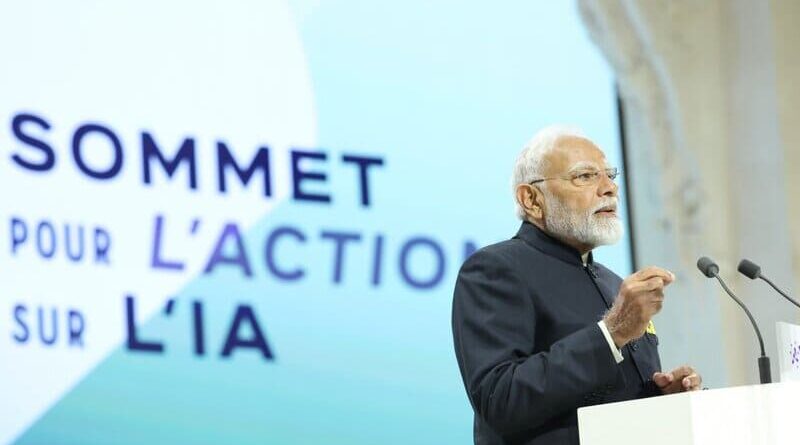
x: 447, y: 92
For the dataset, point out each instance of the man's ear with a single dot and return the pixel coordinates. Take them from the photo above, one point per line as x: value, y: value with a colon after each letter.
x: 530, y: 199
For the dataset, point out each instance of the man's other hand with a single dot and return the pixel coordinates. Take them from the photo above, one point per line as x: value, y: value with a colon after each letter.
x: 680, y: 379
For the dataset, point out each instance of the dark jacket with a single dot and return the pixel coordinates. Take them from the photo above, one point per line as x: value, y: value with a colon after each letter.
x: 525, y: 315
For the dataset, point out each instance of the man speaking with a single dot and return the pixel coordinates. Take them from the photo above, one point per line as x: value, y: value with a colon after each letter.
x: 541, y: 329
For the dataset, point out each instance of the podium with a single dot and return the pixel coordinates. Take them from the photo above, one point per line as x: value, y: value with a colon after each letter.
x: 752, y: 415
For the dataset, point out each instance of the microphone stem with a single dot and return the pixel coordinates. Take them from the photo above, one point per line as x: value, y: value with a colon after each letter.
x: 746, y: 311
x: 793, y: 301
x: 764, y: 372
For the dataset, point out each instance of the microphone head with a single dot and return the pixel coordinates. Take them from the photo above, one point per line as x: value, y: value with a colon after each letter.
x: 749, y: 269
x: 707, y: 266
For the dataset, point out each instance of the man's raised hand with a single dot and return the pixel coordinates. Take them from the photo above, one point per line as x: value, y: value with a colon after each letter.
x: 640, y: 297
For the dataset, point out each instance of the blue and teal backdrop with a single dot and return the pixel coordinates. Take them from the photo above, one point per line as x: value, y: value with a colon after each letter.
x: 240, y: 222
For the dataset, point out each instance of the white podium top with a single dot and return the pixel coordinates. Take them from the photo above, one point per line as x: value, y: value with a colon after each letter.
x: 751, y: 415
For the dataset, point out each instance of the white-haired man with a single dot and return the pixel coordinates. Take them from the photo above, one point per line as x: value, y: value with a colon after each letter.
x: 541, y: 329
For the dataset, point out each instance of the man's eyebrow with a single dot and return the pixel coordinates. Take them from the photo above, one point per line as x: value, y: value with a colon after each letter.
x: 585, y: 165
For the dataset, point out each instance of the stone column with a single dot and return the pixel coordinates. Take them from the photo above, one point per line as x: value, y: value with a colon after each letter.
x: 705, y: 158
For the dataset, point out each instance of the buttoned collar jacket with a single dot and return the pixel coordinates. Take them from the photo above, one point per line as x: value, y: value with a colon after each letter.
x: 528, y: 344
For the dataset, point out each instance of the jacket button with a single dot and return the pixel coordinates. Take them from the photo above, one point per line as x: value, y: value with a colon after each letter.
x: 634, y: 346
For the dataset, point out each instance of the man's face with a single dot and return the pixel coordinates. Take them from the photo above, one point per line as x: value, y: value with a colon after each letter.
x: 584, y: 216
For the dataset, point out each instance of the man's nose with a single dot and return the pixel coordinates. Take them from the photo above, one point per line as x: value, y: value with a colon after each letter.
x: 607, y: 187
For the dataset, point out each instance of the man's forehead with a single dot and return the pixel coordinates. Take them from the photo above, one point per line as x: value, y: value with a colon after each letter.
x: 574, y: 153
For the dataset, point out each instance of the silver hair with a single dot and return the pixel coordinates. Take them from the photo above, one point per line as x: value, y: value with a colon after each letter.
x: 530, y: 163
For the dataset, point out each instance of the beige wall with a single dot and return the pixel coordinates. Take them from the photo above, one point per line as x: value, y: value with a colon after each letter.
x: 713, y: 138
x: 786, y: 22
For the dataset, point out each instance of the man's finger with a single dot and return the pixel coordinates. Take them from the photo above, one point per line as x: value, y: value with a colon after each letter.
x: 656, y: 299
x: 653, y: 271
x: 662, y: 379
x: 691, y: 382
x: 682, y: 371
x: 650, y: 285
x: 655, y: 283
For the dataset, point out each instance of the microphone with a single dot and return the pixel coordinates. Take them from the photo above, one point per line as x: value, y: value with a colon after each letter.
x: 710, y: 269
x: 752, y: 270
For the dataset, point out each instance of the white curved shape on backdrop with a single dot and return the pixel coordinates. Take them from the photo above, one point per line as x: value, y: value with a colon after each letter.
x: 232, y: 71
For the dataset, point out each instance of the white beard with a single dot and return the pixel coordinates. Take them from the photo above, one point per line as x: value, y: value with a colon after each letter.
x: 585, y: 227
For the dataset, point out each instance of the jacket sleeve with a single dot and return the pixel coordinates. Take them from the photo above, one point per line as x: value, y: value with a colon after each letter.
x: 494, y: 328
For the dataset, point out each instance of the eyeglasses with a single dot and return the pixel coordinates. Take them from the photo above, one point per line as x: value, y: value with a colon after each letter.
x: 584, y: 178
